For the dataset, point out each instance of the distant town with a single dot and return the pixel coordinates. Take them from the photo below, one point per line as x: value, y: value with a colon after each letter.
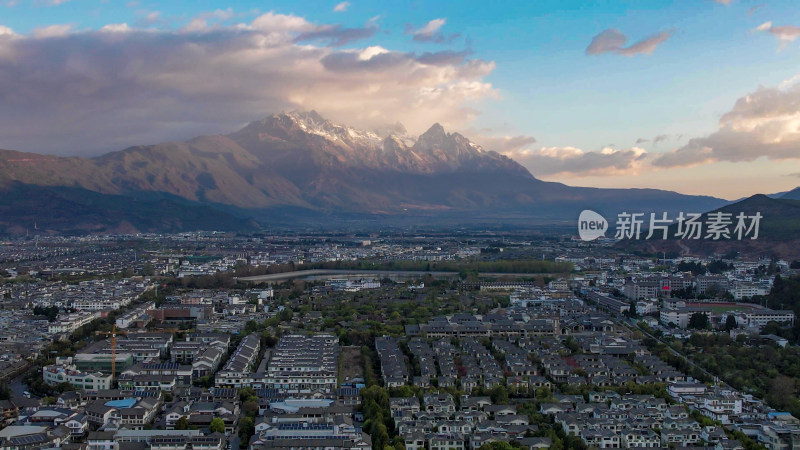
x: 468, y: 340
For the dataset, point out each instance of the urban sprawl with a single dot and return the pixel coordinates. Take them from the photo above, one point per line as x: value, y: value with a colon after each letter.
x: 212, y: 341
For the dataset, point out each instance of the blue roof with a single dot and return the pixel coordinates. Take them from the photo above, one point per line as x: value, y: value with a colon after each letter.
x: 124, y: 403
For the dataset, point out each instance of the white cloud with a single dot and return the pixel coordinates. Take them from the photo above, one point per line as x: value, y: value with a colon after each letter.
x: 502, y: 144
x: 571, y: 161
x: 281, y: 23
x: 430, y: 28
x: 341, y: 7
x: 430, y: 32
x: 763, y: 124
x: 116, y: 28
x: 52, y: 31
x: 785, y: 33
x: 96, y: 91
x: 613, y: 41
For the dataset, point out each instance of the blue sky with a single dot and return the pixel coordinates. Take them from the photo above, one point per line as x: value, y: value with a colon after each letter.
x: 594, y: 117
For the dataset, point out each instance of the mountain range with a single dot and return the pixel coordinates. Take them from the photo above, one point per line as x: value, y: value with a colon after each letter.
x: 778, y: 231
x: 298, y: 167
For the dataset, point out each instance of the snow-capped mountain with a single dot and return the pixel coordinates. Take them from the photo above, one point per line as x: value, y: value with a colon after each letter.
x: 300, y: 161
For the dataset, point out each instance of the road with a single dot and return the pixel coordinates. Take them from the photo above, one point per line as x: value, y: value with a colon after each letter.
x: 17, y: 387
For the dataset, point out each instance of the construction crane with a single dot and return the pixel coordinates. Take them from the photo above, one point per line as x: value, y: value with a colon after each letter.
x: 113, y: 333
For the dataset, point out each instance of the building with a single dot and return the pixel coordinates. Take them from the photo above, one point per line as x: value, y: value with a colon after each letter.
x: 64, y: 371
x: 304, y: 364
x: 680, y: 316
x: 757, y: 318
x: 718, y: 283
x: 609, y: 303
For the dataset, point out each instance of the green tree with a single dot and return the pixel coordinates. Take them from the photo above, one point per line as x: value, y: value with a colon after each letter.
x: 497, y: 445
x: 699, y: 321
x: 543, y: 393
x: 246, y: 429
x: 499, y: 395
x: 730, y: 323
x: 246, y: 394
x: 217, y: 426
x: 148, y: 270
x: 250, y: 408
x: 182, y: 423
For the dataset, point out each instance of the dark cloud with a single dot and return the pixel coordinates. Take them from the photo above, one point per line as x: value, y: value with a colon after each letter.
x: 445, y: 57
x: 661, y: 138
x: 337, y: 35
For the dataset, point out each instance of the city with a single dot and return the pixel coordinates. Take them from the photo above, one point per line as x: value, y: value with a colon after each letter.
x: 399, y: 225
x: 423, y: 342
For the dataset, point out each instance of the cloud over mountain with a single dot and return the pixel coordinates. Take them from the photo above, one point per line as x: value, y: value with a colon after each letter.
x: 576, y: 162
x: 71, y: 91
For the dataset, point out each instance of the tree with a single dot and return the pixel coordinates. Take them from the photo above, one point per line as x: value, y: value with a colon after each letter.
x: 246, y: 429
x: 730, y: 323
x: 148, y: 270
x: 250, y: 407
x: 246, y: 394
x: 699, y: 321
x: 5, y: 392
x: 499, y: 395
x: 182, y: 423
x: 217, y: 426
x: 497, y: 445
x: 543, y: 393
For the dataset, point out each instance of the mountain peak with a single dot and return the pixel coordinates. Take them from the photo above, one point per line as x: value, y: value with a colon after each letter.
x: 435, y: 137
x: 305, y: 117
x: 436, y: 130
x: 794, y: 194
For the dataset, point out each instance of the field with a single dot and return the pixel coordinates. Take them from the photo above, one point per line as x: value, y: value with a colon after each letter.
x: 350, y: 363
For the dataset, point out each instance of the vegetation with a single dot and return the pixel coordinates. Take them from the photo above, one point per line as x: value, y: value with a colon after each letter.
x: 375, y: 405
x: 699, y: 321
x: 182, y: 423
x: 217, y: 425
x: 51, y: 312
x: 766, y: 371
x: 785, y: 294
x: 247, y: 428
